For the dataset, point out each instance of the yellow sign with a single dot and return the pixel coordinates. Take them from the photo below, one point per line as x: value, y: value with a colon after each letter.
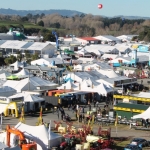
x: 135, y: 46
x: 132, y: 98
x: 128, y: 109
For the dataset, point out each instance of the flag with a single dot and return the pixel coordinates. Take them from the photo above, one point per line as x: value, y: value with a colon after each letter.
x: 22, y: 115
x: 41, y: 112
x: 116, y: 121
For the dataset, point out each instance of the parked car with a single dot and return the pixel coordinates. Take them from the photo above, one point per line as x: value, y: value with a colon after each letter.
x: 140, y: 142
x: 132, y: 147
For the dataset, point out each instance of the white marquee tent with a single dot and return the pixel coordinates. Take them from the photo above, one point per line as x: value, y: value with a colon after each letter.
x: 144, y: 115
x: 16, y: 65
x: 39, y: 134
x: 23, y: 74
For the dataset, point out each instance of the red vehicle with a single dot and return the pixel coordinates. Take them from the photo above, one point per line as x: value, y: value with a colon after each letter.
x: 70, y: 141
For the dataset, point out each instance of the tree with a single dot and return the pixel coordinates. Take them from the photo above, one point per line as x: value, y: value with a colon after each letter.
x: 55, y: 25
x: 10, y: 60
x: 7, y: 61
x: 41, y: 23
x: 19, y: 56
x: 35, y: 56
x: 24, y: 19
x: 42, y: 15
x: 3, y: 29
x: 49, y: 37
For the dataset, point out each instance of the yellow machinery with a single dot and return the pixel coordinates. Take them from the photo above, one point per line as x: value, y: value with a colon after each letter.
x: 14, y: 106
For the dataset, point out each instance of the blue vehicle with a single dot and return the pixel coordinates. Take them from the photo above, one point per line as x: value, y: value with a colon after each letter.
x: 132, y: 147
x: 140, y: 142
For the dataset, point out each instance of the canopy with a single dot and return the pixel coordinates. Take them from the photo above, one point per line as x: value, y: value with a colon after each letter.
x: 103, y: 89
x: 68, y: 85
x: 144, y: 115
x: 40, y: 135
x: 23, y: 74
x: 16, y: 65
x: 12, y: 77
x: 27, y: 97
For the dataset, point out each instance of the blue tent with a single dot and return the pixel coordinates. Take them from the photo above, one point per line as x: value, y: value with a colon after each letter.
x: 68, y: 79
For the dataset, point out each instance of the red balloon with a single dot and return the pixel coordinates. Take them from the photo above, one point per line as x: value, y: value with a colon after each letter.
x: 100, y: 6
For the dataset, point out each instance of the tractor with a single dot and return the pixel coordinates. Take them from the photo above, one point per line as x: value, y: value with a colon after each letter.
x: 70, y: 142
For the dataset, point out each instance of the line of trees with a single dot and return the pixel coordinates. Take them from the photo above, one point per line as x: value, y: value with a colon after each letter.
x: 82, y: 25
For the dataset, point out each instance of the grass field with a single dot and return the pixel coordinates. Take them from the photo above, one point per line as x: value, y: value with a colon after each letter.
x: 25, y: 24
x: 15, y: 23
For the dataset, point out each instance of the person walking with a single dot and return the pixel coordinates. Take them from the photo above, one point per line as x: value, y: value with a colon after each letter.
x: 89, y: 105
x: 58, y: 113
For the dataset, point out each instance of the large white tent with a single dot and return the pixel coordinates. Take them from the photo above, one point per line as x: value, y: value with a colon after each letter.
x: 16, y: 65
x: 109, y: 73
x: 39, y: 134
x: 35, y: 82
x: 68, y: 85
x: 144, y: 115
x: 23, y: 74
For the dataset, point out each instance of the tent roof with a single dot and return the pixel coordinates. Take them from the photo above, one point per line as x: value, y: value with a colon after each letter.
x: 63, y: 56
x: 23, y: 73
x: 107, y: 37
x: 57, y: 60
x: 36, y: 81
x: 38, y: 46
x: 13, y: 44
x: 37, y: 131
x: 7, y: 89
x: 109, y: 73
x: 144, y: 115
x: 143, y: 94
x: 68, y: 85
x: 17, y: 64
x: 27, y: 97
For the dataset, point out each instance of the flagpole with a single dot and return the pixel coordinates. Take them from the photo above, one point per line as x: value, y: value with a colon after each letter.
x: 49, y: 135
x: 116, y: 131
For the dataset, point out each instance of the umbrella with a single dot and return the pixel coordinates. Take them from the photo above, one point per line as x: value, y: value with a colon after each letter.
x: 12, y: 77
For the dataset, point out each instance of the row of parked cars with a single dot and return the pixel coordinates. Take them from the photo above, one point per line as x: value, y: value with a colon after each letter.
x: 137, y: 144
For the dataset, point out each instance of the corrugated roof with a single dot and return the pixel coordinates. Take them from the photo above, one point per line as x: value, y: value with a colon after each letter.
x: 38, y: 46
x: 13, y: 44
x: 27, y: 45
x: 2, y: 41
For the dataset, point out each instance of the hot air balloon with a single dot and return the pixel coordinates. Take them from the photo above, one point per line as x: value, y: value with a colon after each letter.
x: 100, y: 6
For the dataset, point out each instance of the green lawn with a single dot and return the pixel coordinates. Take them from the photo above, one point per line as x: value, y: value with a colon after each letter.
x: 25, y: 24
x: 15, y: 23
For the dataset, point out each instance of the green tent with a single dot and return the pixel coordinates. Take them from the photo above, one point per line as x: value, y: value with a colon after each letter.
x: 69, y: 52
x: 12, y: 77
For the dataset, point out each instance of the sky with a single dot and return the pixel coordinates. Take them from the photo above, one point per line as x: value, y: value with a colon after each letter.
x: 110, y: 7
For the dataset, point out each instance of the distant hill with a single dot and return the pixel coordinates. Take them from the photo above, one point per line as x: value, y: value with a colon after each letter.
x: 62, y: 12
